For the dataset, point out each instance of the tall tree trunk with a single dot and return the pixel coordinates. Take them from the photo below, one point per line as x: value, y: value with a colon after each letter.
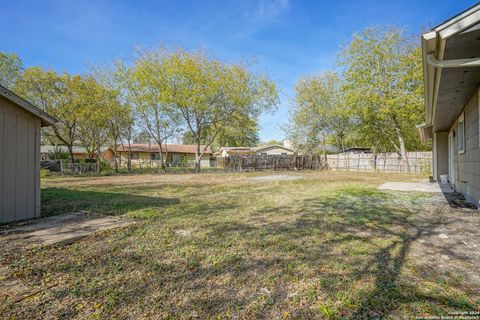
x: 129, y: 156
x: 166, y: 156
x: 115, y: 147
x: 401, y: 142
x: 160, y: 154
x: 99, y: 159
x: 374, y: 158
x: 70, y: 152
x: 197, y: 158
x: 324, y: 150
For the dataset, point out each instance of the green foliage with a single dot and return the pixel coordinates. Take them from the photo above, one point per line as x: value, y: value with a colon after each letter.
x: 319, y: 112
x: 57, y: 153
x: 163, y: 93
x: 10, y: 69
x: 55, y: 94
x: 383, y: 82
x: 95, y: 106
x: 207, y: 95
x: 272, y: 142
x: 376, y: 102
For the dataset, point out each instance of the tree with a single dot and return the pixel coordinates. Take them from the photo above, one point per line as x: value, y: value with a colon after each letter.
x: 55, y: 94
x: 239, y: 133
x: 272, y: 142
x: 242, y: 131
x: 158, y: 120
x: 121, y: 120
x: 207, y: 94
x: 382, y: 72
x: 319, y: 111
x: 11, y: 68
x: 96, y: 105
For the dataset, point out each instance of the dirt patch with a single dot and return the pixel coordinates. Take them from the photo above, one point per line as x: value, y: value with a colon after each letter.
x: 449, y: 243
x: 277, y: 177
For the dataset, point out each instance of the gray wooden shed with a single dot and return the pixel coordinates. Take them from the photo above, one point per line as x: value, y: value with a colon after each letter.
x: 20, y: 123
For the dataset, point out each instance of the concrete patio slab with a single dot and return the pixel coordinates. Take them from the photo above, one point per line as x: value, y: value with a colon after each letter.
x: 63, y: 228
x: 432, y: 187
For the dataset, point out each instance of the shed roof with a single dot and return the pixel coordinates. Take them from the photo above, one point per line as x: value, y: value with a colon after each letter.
x: 46, y: 119
x: 75, y: 149
x: 262, y: 148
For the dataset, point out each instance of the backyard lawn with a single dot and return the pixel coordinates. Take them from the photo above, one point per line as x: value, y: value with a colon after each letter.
x: 295, y: 246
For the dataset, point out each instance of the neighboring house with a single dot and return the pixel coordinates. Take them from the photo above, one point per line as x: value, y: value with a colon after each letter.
x: 79, y: 153
x: 20, y: 123
x: 234, y: 151
x: 356, y: 150
x: 451, y: 68
x: 268, y: 150
x: 175, y: 154
x: 273, y: 150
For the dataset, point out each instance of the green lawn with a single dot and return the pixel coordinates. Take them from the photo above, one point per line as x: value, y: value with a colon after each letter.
x: 328, y: 245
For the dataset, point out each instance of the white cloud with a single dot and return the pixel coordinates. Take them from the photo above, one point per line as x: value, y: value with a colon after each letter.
x: 264, y: 11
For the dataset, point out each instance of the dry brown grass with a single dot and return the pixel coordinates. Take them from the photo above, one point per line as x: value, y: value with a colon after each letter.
x: 328, y: 245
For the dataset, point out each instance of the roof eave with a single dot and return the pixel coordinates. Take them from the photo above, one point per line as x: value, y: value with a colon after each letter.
x: 433, y: 42
x: 45, y: 118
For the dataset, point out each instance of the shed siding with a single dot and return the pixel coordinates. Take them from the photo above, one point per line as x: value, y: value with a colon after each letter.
x: 19, y: 164
x: 274, y: 151
x: 468, y: 163
x: 2, y: 202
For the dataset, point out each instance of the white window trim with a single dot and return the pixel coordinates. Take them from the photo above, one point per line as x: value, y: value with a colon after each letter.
x: 461, y: 119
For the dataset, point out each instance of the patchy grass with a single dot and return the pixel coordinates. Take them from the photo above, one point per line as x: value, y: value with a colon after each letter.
x: 328, y: 245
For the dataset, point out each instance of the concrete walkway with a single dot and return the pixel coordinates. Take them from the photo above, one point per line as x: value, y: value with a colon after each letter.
x: 433, y: 187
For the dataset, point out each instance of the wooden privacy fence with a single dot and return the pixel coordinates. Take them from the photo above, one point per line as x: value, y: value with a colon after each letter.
x: 419, y: 162
x: 241, y: 163
x: 65, y: 167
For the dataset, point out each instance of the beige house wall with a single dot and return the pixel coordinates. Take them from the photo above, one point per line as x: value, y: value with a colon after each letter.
x: 145, y: 156
x: 275, y: 151
x: 19, y: 163
x: 440, y: 154
x: 467, y: 164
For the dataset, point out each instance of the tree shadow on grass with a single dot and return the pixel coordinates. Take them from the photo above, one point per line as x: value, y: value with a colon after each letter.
x: 387, y: 227
x: 62, y: 200
x: 377, y: 215
x: 313, y: 246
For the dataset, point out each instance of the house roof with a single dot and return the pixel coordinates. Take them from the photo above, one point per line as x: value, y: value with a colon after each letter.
x: 451, y: 68
x: 263, y: 148
x: 357, y: 149
x: 46, y: 119
x: 75, y: 149
x: 171, y: 148
x: 236, y: 148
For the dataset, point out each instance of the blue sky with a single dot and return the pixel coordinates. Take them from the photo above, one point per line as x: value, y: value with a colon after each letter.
x: 286, y: 38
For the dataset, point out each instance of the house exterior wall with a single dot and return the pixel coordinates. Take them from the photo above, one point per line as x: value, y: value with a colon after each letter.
x: 145, y: 156
x: 440, y: 154
x: 108, y: 155
x: 19, y: 163
x: 467, y: 164
x: 274, y: 151
x: 81, y: 156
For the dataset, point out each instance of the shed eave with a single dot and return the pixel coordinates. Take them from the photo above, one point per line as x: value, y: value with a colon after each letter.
x: 45, y: 118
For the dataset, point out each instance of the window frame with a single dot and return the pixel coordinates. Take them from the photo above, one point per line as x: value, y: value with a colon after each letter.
x: 134, y: 156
